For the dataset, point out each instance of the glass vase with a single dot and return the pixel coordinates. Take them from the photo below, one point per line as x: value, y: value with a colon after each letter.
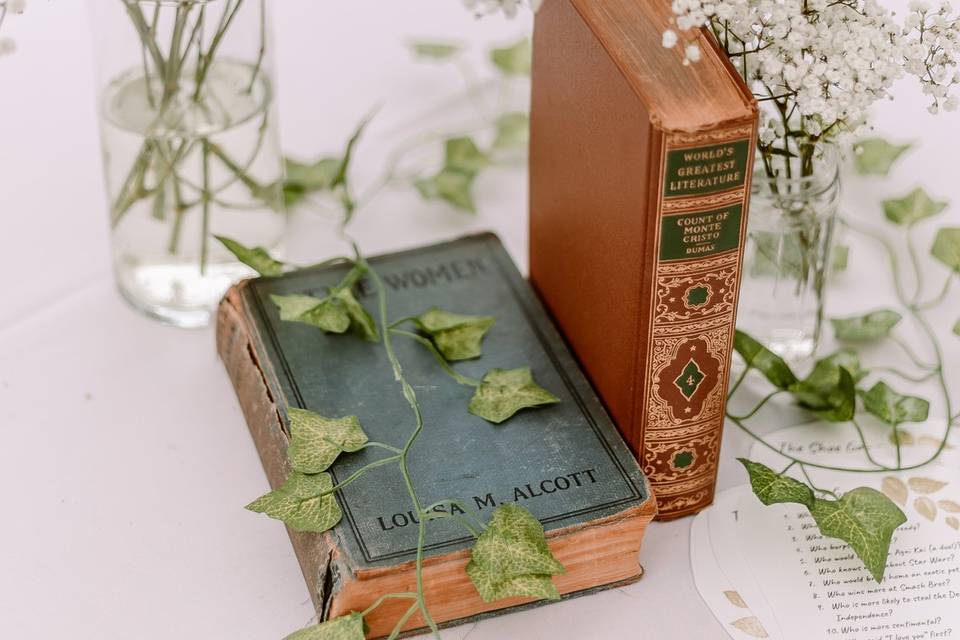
x: 190, y: 147
x: 793, y: 211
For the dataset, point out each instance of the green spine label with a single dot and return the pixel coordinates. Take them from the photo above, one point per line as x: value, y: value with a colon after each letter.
x: 703, y: 170
x: 700, y: 234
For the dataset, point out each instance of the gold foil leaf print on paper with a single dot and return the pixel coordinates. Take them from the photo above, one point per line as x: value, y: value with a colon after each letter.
x: 750, y: 626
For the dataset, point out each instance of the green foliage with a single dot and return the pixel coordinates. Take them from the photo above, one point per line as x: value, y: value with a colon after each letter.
x: 326, y: 313
x: 316, y: 441
x: 840, y: 258
x: 348, y: 627
x: 826, y: 371
x: 511, y: 558
x: 256, y: 258
x: 774, y: 488
x: 912, y: 208
x: 871, y: 326
x: 772, y: 366
x: 875, y: 156
x: 327, y: 174
x: 336, y: 313
x: 515, y: 60
x: 946, y: 247
x: 454, y: 182
x: 303, y: 503
x: 503, y: 392
x: 833, y: 403
x: 863, y: 518
x: 894, y: 408
x: 956, y: 328
x: 513, y: 130
x: 437, y: 51
x: 456, y: 336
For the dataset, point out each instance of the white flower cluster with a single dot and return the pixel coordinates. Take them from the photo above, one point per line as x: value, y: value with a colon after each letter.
x: 510, y: 8
x: 817, y: 65
x: 7, y: 45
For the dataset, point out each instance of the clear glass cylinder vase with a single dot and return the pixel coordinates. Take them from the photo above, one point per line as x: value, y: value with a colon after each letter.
x: 793, y: 212
x: 190, y: 147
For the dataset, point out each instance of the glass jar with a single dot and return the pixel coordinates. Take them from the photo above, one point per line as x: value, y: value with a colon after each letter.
x: 793, y: 212
x: 190, y: 147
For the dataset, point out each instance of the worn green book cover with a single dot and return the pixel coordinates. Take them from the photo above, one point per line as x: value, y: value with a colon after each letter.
x: 564, y: 462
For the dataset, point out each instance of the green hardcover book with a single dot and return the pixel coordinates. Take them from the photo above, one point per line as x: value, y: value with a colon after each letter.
x: 564, y: 462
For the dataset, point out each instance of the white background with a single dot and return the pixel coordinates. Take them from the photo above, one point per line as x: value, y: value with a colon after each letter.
x: 124, y: 460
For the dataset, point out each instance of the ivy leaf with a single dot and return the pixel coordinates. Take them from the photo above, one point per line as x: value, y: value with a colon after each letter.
x: 946, y: 247
x: 361, y: 322
x: 503, y: 392
x: 256, y: 258
x: 436, y: 51
x: 956, y: 328
x: 335, y: 314
x: 511, y: 558
x: 348, y: 627
x: 515, y: 60
x: 872, y: 326
x: 773, y: 488
x: 316, y: 441
x: 316, y: 176
x: 329, y: 314
x: 834, y: 403
x: 458, y: 337
x: 513, y: 130
x: 826, y: 371
x: 776, y: 370
x: 913, y: 207
x: 301, y: 503
x: 463, y: 155
x: 875, y: 156
x: 863, y: 518
x: 894, y: 408
x: 453, y: 187
x: 840, y: 258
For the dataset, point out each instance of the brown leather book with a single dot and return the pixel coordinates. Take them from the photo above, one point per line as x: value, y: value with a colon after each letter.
x: 640, y: 172
x: 565, y: 463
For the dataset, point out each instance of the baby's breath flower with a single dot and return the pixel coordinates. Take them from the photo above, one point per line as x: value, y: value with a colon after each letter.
x: 510, y: 8
x: 7, y: 7
x: 816, y: 66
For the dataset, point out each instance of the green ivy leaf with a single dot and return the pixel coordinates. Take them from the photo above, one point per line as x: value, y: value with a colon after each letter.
x: 335, y: 314
x: 773, y: 488
x: 463, y: 155
x: 329, y: 314
x: 913, y: 207
x: 316, y: 441
x: 946, y: 247
x: 836, y: 403
x: 301, y: 503
x: 515, y: 60
x: 511, y: 558
x: 256, y: 258
x: 503, y: 392
x: 513, y: 130
x: 826, y: 371
x: 863, y: 518
x: 875, y: 156
x: 776, y: 370
x: 840, y: 259
x: 348, y: 627
x: 872, y: 326
x: 453, y: 187
x: 894, y: 408
x: 435, y: 50
x: 457, y: 337
x: 315, y: 176
x: 956, y: 328
x: 361, y: 322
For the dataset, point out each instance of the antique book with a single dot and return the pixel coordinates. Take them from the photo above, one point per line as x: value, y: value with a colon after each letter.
x: 640, y: 172
x: 565, y: 463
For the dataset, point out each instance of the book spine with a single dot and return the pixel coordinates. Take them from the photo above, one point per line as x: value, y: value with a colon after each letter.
x: 703, y: 192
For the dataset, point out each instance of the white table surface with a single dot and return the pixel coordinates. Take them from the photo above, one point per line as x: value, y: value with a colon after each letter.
x: 124, y: 458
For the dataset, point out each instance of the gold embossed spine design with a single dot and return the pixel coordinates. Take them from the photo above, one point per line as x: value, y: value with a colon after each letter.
x: 702, y: 207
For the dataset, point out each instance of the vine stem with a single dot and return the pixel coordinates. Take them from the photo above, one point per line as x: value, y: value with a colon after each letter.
x: 461, y: 379
x: 411, y: 397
